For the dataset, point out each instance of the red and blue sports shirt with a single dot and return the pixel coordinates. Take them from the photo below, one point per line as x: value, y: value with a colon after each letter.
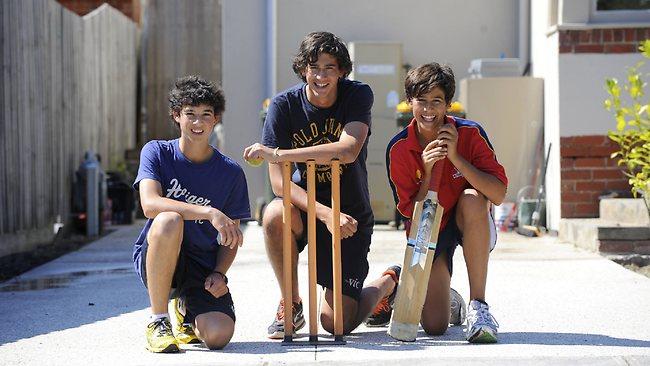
x: 405, y: 167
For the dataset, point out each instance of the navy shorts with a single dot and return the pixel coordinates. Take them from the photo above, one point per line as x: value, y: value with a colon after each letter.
x: 450, y: 237
x: 188, y: 283
x: 354, y: 258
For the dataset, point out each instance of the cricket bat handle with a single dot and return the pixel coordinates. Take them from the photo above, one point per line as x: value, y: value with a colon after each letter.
x: 436, y: 175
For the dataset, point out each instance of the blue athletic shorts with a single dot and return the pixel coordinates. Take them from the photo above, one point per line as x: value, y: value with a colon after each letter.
x: 188, y: 283
x: 450, y: 237
x: 354, y: 258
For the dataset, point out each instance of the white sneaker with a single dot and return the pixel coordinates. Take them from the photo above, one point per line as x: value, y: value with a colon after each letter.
x: 458, y: 308
x: 481, y: 325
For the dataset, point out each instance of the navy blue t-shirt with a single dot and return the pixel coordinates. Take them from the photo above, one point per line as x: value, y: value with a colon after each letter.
x: 218, y: 182
x: 293, y: 122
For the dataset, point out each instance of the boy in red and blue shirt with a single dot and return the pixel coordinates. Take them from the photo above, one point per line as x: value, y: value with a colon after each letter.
x: 472, y: 180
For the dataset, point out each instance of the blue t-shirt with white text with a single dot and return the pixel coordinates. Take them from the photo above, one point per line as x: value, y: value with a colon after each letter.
x: 219, y: 183
x: 293, y: 122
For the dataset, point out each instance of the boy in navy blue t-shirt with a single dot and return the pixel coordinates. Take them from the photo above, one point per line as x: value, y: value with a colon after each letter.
x: 193, y: 197
x: 325, y: 117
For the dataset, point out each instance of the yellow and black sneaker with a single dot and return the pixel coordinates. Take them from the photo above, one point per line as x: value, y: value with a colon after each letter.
x: 183, y: 332
x: 160, y: 338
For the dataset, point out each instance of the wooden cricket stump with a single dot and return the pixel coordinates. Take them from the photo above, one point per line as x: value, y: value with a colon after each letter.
x: 311, y: 263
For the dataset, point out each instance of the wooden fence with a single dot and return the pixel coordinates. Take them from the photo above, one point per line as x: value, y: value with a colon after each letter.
x: 68, y: 85
x: 177, y: 40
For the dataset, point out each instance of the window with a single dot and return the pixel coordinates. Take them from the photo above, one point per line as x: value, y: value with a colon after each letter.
x: 612, y: 5
x: 620, y: 11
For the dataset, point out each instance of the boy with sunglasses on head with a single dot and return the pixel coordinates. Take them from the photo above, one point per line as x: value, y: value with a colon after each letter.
x: 472, y: 180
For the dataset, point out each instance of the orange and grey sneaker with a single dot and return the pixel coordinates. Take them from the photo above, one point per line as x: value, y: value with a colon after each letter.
x: 384, y: 309
x: 160, y: 338
x: 276, y: 329
x: 183, y: 332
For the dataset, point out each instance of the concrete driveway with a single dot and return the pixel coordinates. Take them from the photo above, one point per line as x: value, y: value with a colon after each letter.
x: 555, y: 304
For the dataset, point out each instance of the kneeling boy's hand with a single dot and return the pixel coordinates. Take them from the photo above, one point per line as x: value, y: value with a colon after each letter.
x: 259, y: 151
x: 215, y: 284
x: 231, y: 235
x: 347, y: 223
x: 448, y: 135
x: 433, y: 152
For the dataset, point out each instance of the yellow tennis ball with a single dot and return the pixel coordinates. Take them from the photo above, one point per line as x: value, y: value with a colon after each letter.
x: 254, y: 162
x: 403, y: 107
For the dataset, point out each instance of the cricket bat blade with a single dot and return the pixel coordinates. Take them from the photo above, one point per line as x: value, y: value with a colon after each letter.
x: 418, y: 258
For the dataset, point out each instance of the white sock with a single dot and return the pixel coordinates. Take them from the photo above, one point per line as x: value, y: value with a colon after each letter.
x: 154, y: 317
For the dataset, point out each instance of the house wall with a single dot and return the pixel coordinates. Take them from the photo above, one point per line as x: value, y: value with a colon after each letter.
x: 544, y: 56
x: 260, y: 38
x: 453, y: 32
x: 245, y: 82
x: 271, y: 32
x: 587, y: 173
x: 575, y: 57
x: 587, y: 170
x: 583, y: 90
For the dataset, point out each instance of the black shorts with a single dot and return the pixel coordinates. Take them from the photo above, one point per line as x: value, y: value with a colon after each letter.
x: 450, y: 237
x: 188, y: 283
x: 354, y: 258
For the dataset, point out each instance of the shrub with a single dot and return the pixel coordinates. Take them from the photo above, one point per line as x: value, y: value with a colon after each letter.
x: 632, y: 134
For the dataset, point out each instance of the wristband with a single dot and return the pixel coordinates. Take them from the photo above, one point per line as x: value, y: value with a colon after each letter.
x: 225, y: 278
x: 275, y: 152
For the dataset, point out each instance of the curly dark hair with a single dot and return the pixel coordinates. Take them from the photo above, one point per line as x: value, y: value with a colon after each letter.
x: 194, y: 90
x: 424, y: 78
x: 316, y: 43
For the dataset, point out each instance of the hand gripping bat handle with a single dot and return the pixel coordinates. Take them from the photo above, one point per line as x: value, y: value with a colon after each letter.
x: 437, y: 170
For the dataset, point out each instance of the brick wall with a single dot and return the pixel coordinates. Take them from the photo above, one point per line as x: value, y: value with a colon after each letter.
x: 130, y: 8
x: 587, y: 172
x: 621, y: 40
x: 625, y: 246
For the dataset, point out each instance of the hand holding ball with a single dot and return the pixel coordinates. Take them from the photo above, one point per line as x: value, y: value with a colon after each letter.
x: 255, y: 162
x: 254, y: 154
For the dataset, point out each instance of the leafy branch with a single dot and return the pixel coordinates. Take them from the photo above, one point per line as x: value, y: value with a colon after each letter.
x: 632, y: 125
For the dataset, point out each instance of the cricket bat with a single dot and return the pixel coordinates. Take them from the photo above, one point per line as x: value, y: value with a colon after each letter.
x: 418, y: 258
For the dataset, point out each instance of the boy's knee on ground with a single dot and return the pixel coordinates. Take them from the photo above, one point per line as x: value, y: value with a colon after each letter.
x: 327, y: 322
x: 350, y: 310
x: 215, y: 329
x: 216, y: 341
x: 435, y: 313
x: 435, y: 328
